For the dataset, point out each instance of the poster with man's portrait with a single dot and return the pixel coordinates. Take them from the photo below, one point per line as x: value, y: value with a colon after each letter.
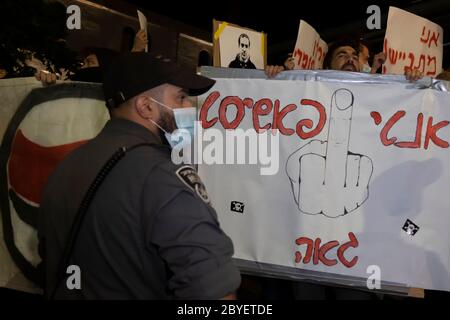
x: 237, y: 47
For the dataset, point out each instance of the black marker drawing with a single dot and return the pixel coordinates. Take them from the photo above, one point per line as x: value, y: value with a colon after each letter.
x: 237, y: 206
x: 326, y: 178
x: 242, y: 59
x: 410, y: 227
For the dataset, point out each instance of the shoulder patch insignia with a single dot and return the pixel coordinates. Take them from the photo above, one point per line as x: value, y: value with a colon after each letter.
x: 190, y: 178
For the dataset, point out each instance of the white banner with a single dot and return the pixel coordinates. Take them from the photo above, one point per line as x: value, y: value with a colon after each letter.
x: 412, y: 42
x: 38, y: 127
x: 358, y: 179
x: 310, y: 49
x: 361, y: 184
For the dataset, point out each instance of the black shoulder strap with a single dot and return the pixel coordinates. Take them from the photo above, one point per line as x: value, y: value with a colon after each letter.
x: 84, y: 206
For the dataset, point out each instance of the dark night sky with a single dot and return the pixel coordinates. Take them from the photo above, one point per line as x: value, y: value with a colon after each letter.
x: 280, y: 19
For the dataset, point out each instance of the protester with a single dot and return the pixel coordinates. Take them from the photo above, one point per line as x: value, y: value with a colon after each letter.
x: 364, y: 57
x: 94, y: 63
x: 343, y: 55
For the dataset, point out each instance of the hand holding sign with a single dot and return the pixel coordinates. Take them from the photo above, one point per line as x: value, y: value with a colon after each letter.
x: 325, y: 177
x: 140, y: 35
x: 378, y: 60
x: 140, y: 41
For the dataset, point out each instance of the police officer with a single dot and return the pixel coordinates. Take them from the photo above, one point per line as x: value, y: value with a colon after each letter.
x: 150, y: 231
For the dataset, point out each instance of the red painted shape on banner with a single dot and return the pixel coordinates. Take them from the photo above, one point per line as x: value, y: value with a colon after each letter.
x: 416, y: 143
x: 31, y: 164
x: 430, y: 132
x: 308, y: 123
x: 227, y: 102
x: 209, y: 101
x: 263, y: 108
x: 318, y: 252
x: 353, y: 243
x: 390, y: 123
x: 376, y: 117
x: 279, y: 116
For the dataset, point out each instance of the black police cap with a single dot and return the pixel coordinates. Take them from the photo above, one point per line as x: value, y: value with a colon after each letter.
x: 133, y: 73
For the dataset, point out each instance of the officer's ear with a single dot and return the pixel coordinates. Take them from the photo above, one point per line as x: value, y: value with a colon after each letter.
x: 145, y: 107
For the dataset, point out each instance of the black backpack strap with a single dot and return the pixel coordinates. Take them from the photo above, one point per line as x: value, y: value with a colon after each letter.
x: 84, y: 206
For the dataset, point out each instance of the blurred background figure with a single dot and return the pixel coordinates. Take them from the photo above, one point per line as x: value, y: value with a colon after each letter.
x: 6, y: 64
x: 91, y: 69
x: 95, y: 61
x: 33, y: 33
x: 289, y: 63
x: 343, y: 55
x: 369, y: 64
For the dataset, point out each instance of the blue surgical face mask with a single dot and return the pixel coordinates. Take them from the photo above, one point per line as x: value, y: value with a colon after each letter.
x: 185, y: 120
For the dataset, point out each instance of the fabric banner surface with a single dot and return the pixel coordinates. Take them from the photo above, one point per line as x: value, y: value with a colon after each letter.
x: 38, y: 127
x: 360, y: 181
